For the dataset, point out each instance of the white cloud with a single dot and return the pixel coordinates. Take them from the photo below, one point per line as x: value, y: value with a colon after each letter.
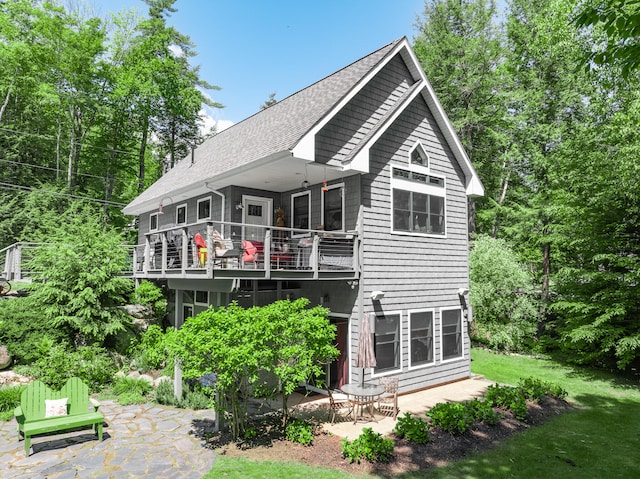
x: 208, y: 121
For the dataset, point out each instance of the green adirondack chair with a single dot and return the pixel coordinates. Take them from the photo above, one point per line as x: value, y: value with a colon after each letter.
x: 82, y: 410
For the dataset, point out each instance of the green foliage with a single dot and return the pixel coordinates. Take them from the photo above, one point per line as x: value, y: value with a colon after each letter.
x: 26, y: 332
x: 504, y: 309
x: 536, y: 389
x: 481, y: 411
x: 164, y: 394
x: 131, y: 397
x: 193, y: 395
x: 414, y: 429
x: 131, y: 385
x: 9, y: 399
x: 77, y: 276
x: 149, y: 295
x: 508, y: 397
x: 370, y: 446
x: 454, y: 418
x: 300, y: 432
x: 151, y: 351
x: 92, y: 364
x: 259, y: 351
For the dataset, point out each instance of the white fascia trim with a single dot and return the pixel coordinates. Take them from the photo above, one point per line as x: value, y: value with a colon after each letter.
x: 305, y: 148
x: 474, y: 187
x: 360, y: 161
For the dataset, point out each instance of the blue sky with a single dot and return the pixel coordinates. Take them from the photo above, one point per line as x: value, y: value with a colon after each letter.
x: 251, y: 48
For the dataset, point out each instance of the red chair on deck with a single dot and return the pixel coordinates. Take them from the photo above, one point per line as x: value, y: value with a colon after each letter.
x: 202, y: 248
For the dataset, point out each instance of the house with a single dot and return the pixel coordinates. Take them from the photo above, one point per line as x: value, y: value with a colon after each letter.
x: 351, y: 192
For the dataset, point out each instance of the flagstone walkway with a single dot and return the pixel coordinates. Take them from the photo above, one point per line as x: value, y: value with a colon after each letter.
x: 140, y: 441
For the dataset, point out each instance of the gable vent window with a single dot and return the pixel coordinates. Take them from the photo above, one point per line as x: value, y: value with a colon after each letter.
x: 419, y: 156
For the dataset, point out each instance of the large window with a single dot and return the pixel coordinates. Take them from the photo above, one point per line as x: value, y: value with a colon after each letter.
x: 421, y: 337
x: 418, y: 202
x: 301, y: 210
x: 451, y: 334
x: 333, y: 208
x: 387, y: 342
x: 204, y: 209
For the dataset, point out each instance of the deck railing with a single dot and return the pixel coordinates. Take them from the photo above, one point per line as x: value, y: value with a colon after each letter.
x: 200, y: 249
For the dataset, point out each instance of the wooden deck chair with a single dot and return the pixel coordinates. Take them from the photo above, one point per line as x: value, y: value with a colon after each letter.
x: 388, y: 400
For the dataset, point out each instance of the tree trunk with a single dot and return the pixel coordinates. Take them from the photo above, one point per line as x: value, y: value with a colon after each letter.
x: 143, y: 147
x: 503, y: 196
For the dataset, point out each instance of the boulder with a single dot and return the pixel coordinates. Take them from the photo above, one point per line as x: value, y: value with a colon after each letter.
x: 5, y: 357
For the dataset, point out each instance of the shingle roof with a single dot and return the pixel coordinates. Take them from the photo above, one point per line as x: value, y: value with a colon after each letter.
x: 270, y: 131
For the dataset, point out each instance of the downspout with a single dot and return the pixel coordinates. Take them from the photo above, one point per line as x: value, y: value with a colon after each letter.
x: 222, y: 196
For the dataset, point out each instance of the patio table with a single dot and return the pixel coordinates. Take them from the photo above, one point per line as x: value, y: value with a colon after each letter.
x: 364, y: 397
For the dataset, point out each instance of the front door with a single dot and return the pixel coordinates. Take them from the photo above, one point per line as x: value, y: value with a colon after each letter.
x: 256, y: 210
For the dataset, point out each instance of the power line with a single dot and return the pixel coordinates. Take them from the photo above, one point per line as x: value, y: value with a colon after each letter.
x: 77, y: 143
x: 51, y: 169
x: 10, y: 186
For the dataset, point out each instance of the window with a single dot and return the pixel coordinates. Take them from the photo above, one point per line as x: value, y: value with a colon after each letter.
x: 301, y: 210
x: 419, y: 156
x: 418, y: 202
x: 421, y: 337
x: 202, y: 297
x: 451, y: 334
x: 387, y: 342
x: 204, y: 209
x: 181, y: 214
x: 333, y: 208
x: 153, y: 222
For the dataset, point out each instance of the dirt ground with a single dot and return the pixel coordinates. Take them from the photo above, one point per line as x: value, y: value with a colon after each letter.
x: 408, y: 457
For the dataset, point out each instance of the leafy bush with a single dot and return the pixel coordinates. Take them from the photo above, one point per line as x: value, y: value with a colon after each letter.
x: 536, y: 389
x: 23, y: 328
x: 150, y: 296
x: 370, y: 446
x: 414, y: 429
x: 454, y: 418
x: 9, y: 399
x: 194, y: 398
x: 481, y: 411
x: 164, y: 394
x: 151, y: 352
x: 300, y: 432
x: 131, y: 397
x: 508, y: 397
x: 130, y: 385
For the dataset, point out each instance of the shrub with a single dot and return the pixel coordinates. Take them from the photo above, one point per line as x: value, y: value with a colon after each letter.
x: 131, y: 397
x: 370, y: 446
x: 164, y: 394
x: 300, y: 432
x: 150, y: 296
x: 129, y: 385
x: 9, y: 399
x: 481, y: 411
x: 508, y: 397
x: 194, y: 398
x: 414, y: 429
x: 451, y: 417
x: 536, y: 389
x: 150, y: 352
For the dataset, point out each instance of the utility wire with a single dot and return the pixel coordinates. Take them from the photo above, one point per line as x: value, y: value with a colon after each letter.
x: 51, y: 169
x: 10, y: 186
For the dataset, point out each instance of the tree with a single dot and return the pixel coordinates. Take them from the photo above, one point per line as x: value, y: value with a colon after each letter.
x: 505, y: 310
x: 460, y: 47
x: 270, y: 101
x: 258, y: 351
x: 620, y: 22
x: 77, y: 275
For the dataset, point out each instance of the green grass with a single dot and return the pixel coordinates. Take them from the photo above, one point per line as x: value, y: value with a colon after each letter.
x: 243, y: 469
x: 601, y: 438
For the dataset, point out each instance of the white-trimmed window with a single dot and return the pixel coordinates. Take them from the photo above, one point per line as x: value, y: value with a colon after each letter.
x: 181, y: 214
x: 451, y: 340
x: 333, y: 207
x: 204, y: 209
x: 301, y: 210
x: 418, y: 202
x: 421, y: 338
x: 153, y: 222
x: 387, y: 342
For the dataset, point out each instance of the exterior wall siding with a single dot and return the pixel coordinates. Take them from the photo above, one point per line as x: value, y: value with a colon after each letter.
x: 415, y: 272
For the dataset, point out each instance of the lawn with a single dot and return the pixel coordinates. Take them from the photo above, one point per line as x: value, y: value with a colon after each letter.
x: 601, y: 438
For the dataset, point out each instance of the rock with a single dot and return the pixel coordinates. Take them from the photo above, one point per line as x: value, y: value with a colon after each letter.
x: 160, y: 379
x: 5, y: 357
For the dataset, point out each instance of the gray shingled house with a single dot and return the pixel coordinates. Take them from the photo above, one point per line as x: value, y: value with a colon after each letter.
x: 351, y: 192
